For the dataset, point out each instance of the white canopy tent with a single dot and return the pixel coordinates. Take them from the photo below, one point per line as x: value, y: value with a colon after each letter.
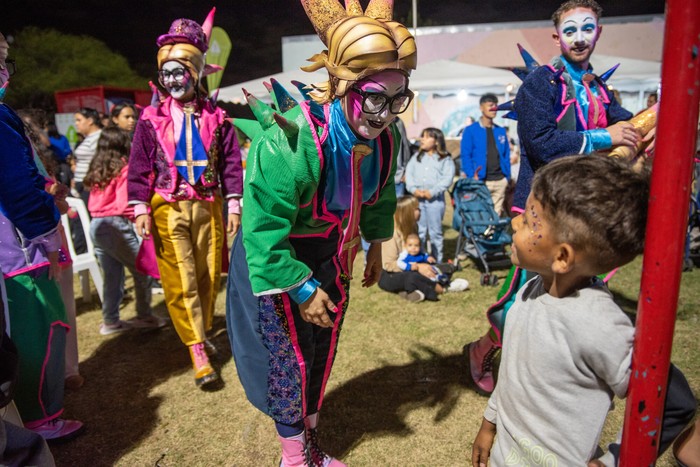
x: 437, y: 76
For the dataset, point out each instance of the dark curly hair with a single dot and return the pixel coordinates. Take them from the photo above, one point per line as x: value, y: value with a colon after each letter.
x: 572, y: 4
x: 110, y: 158
x: 597, y: 204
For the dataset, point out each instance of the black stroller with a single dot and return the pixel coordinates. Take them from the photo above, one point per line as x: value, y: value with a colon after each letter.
x: 483, y: 235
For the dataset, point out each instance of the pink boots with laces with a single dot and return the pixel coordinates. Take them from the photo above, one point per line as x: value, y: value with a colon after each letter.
x: 303, y: 450
x: 481, y: 355
x: 204, y: 373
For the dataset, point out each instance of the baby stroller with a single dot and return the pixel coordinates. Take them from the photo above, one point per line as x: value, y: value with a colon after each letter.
x: 482, y: 234
x: 692, y: 239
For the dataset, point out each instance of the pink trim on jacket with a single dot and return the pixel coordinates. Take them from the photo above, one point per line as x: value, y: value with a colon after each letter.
x: 340, y: 306
x: 165, y: 130
x: 294, y: 337
x: 35, y: 423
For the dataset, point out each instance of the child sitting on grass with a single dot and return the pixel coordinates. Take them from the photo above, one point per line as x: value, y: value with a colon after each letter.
x: 412, y: 254
x: 568, y: 346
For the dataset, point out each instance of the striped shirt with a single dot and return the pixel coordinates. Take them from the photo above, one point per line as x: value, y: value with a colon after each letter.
x: 84, y: 154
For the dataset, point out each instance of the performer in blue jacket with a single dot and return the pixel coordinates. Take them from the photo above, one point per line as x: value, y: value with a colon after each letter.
x: 562, y: 109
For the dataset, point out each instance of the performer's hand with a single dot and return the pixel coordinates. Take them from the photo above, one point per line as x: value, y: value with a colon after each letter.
x: 315, y: 309
x: 426, y: 270
x: 481, y: 449
x: 54, y: 268
x: 373, y: 268
x: 650, y: 140
x: 595, y: 463
x: 59, y: 191
x: 623, y: 133
x: 234, y: 223
x: 143, y: 226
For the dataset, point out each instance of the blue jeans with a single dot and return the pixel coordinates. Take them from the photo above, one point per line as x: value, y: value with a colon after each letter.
x: 431, y: 213
x: 400, y: 189
x: 116, y: 247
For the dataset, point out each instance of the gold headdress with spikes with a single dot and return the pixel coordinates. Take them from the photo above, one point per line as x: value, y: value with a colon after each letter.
x: 359, y: 44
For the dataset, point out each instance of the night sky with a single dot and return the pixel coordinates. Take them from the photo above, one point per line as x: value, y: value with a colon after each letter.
x: 131, y: 27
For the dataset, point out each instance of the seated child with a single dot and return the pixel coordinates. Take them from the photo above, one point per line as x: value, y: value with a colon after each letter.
x: 568, y: 347
x: 412, y: 254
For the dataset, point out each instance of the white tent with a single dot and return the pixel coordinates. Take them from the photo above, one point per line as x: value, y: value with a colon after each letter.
x: 234, y: 93
x: 440, y: 75
x: 632, y: 75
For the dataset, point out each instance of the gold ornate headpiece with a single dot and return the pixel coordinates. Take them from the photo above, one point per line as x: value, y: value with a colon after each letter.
x: 187, y: 43
x: 359, y: 44
x: 186, y: 54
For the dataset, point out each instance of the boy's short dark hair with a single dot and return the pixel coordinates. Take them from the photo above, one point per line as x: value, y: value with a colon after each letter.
x: 571, y: 4
x: 488, y: 97
x: 597, y: 204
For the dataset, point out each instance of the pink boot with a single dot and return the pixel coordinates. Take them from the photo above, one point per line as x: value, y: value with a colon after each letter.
x: 295, y: 453
x: 481, y: 354
x: 319, y: 458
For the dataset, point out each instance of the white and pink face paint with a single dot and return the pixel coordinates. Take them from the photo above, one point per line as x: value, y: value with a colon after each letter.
x: 4, y: 73
x: 577, y: 34
x: 177, y: 80
x: 366, y: 125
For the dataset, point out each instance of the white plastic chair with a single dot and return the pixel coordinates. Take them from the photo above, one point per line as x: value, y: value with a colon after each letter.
x: 83, y: 263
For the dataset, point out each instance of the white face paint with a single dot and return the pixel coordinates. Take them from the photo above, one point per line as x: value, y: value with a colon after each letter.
x: 4, y: 74
x: 177, y: 80
x: 577, y: 35
x: 379, y: 89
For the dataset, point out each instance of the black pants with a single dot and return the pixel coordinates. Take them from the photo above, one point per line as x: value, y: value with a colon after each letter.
x: 679, y: 409
x: 407, y: 281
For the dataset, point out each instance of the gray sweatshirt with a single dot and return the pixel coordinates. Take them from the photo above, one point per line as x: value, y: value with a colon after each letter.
x: 563, y: 360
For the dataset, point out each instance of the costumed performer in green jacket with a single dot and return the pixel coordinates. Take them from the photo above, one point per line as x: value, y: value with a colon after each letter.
x: 318, y: 172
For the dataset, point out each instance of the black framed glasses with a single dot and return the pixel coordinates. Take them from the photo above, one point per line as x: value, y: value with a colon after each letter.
x: 375, y: 102
x: 10, y: 66
x: 178, y: 74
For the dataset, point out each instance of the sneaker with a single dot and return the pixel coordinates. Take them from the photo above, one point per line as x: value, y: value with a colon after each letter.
x: 462, y: 256
x: 458, y: 285
x: 481, y: 354
x: 204, y: 373
x: 413, y: 297
x: 73, y: 382
x: 119, y: 326
x: 150, y: 321
x: 59, y: 429
x: 157, y: 288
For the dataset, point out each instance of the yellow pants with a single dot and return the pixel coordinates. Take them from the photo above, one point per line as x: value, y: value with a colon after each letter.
x: 188, y: 236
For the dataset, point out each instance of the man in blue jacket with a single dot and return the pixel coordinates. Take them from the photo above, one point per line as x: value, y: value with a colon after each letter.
x: 485, y: 152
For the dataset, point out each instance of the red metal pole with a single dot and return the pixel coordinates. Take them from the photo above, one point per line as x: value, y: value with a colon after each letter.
x: 666, y: 227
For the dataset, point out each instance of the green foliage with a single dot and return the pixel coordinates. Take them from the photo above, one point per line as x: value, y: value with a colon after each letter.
x: 49, y: 61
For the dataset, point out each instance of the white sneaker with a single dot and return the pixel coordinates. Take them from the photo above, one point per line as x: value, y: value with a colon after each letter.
x: 119, y: 326
x: 458, y: 285
x: 151, y: 321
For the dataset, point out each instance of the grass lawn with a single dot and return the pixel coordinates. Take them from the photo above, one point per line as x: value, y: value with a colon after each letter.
x: 398, y: 395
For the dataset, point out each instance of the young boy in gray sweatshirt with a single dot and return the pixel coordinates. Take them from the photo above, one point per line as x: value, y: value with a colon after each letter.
x: 568, y: 347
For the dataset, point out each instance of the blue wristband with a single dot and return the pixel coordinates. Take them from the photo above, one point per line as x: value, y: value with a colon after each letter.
x: 597, y: 140
x: 303, y: 292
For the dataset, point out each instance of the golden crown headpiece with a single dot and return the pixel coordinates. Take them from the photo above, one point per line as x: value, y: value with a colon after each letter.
x: 359, y: 43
